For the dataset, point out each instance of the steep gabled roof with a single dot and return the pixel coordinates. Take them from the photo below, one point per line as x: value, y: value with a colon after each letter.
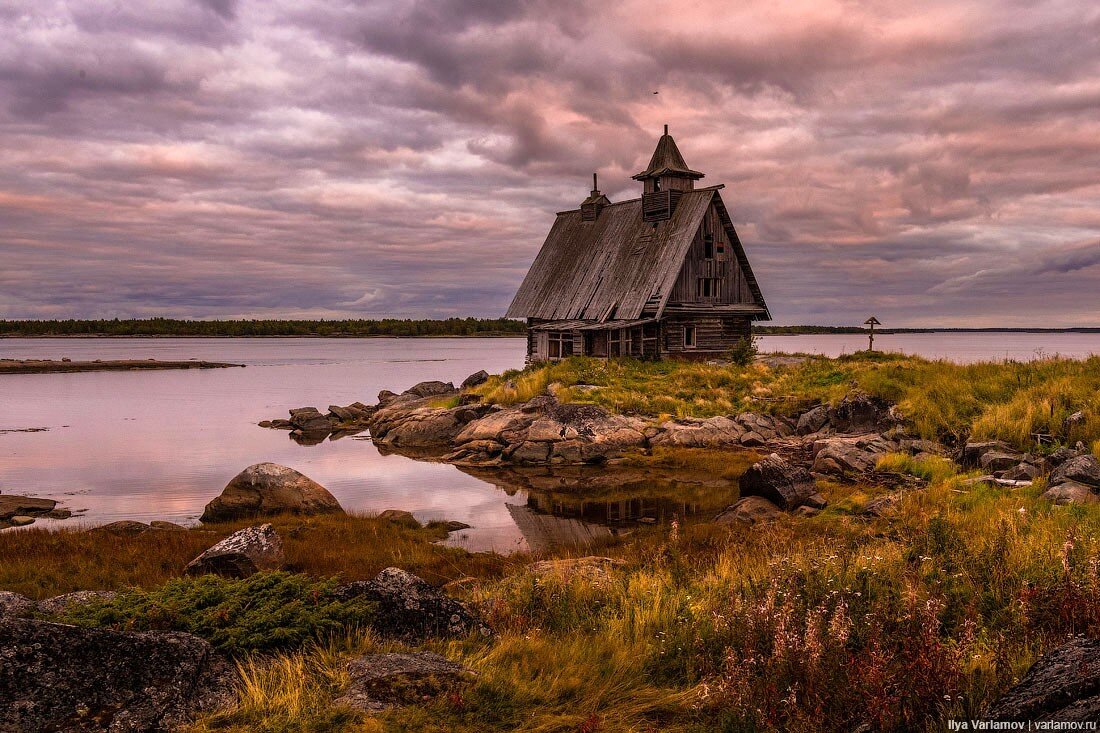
x: 610, y: 268
x: 667, y: 160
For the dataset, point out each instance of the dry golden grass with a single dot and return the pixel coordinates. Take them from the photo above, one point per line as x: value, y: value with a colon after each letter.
x: 40, y: 563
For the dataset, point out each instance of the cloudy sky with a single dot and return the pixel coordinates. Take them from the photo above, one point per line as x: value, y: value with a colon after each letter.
x: 936, y: 163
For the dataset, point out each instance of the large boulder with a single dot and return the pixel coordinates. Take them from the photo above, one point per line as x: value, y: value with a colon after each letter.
x: 543, y: 431
x: 401, y: 518
x: 55, y: 677
x: 973, y: 451
x: 813, y: 420
x: 430, y: 389
x: 782, y: 483
x: 409, y: 607
x: 1064, y: 686
x: 861, y: 413
x: 21, y: 510
x: 749, y: 510
x: 1082, y: 469
x: 475, y: 379
x: 995, y: 460
x: 848, y: 455
x: 268, y: 488
x: 14, y: 604
x: 714, y: 432
x: 382, y: 681
x: 62, y: 603
x: 421, y: 426
x: 241, y: 554
x: 1071, y: 492
x: 311, y: 420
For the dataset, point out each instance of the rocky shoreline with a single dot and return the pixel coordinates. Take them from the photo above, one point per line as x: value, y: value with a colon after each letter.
x: 844, y: 441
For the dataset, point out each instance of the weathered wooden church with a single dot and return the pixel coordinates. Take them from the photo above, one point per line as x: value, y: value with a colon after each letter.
x: 659, y: 276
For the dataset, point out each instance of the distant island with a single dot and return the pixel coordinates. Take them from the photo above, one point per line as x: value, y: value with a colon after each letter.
x: 380, y: 328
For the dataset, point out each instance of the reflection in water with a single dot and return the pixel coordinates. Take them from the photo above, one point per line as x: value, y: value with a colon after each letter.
x: 578, y: 506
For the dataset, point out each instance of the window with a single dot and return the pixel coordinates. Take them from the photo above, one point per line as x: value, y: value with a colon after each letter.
x: 621, y: 342
x: 709, y: 287
x: 689, y: 337
x: 560, y: 344
x: 708, y: 246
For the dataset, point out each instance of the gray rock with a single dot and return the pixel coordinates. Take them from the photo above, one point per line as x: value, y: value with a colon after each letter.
x: 999, y: 461
x: 20, y: 520
x: 411, y: 608
x: 124, y: 527
x: 972, y: 452
x: 860, y: 412
x: 241, y: 554
x: 401, y: 517
x: 715, y: 432
x: 13, y: 604
x: 350, y: 414
x: 1082, y: 469
x: 1061, y: 455
x: 813, y: 420
x: 816, y: 501
x: 382, y: 681
x: 430, y: 389
x: 12, y: 506
x: 806, y: 511
x: 475, y: 379
x: 62, y: 603
x: 167, y: 526
x: 1064, y: 685
x: 385, y: 397
x: 55, y: 677
x: 749, y: 510
x: 784, y: 484
x: 1022, y: 472
x: 848, y: 455
x: 266, y: 489
x: 311, y: 420
x: 1071, y: 492
x: 882, y: 505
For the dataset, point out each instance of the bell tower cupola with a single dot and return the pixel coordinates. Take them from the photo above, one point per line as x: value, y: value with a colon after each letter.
x: 665, y: 180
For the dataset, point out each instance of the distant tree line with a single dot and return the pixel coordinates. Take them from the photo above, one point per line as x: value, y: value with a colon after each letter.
x: 245, y: 328
x: 357, y: 328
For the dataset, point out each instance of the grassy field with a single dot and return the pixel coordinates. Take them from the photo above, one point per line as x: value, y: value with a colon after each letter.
x: 807, y: 624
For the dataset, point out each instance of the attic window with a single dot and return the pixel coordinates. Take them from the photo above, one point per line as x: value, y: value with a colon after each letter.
x: 709, y: 287
x: 708, y: 246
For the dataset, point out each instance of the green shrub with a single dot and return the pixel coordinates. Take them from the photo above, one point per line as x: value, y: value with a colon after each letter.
x: 264, y: 612
x: 744, y: 352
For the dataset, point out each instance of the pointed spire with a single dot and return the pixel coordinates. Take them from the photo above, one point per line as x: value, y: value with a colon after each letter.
x: 667, y: 161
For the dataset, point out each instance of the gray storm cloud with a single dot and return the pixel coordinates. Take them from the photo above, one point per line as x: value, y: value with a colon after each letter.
x: 932, y: 162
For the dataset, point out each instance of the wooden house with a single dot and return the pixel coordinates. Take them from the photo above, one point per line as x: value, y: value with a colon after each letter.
x: 662, y: 275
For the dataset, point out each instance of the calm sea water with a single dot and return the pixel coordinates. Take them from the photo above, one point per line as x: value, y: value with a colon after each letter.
x: 160, y: 444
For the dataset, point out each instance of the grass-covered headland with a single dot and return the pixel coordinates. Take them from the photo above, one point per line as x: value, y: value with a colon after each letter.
x: 805, y: 624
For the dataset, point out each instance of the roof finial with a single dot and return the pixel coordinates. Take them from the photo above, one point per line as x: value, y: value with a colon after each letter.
x: 666, y: 129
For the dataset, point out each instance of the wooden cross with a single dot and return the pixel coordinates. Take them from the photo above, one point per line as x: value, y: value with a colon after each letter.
x: 872, y: 322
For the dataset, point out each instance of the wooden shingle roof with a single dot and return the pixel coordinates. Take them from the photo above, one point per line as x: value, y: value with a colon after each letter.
x: 612, y: 267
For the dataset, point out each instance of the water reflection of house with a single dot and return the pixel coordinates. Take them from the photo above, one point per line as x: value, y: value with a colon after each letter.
x: 546, y: 522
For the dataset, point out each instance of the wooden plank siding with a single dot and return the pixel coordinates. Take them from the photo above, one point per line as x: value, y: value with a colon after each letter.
x: 713, y: 335
x: 724, y: 267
